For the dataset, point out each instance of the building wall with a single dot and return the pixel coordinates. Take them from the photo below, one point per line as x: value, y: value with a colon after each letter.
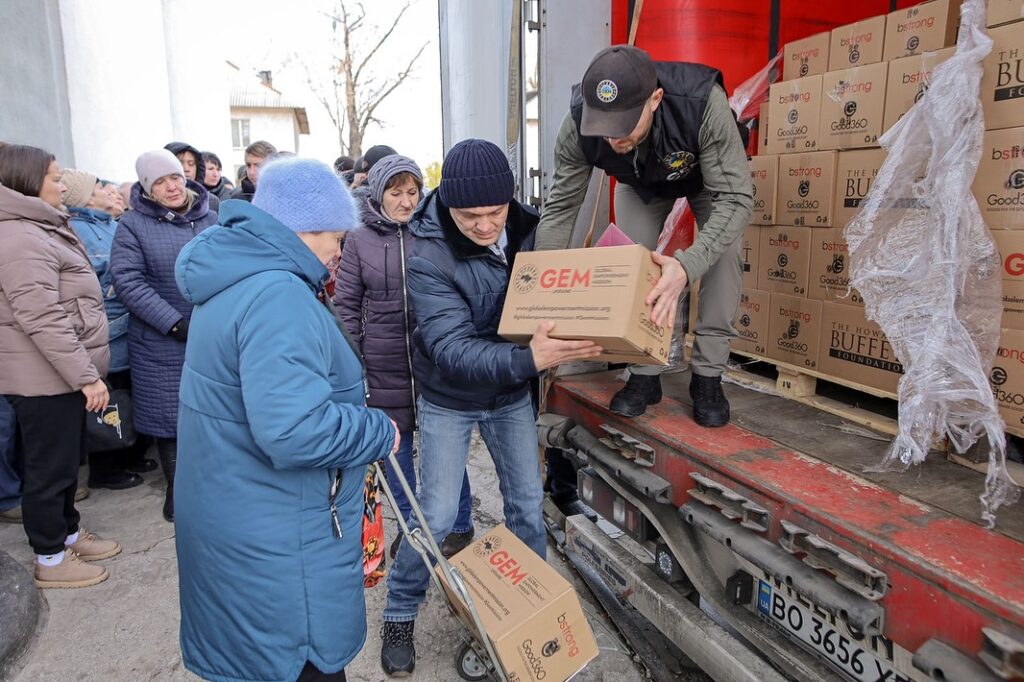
x: 35, y: 107
x: 276, y: 126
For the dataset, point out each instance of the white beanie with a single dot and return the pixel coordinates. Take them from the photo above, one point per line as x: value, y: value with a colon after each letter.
x: 151, y: 166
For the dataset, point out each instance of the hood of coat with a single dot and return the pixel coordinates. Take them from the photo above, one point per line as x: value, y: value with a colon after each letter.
x: 90, y: 215
x: 179, y: 147
x: 17, y: 206
x: 433, y: 220
x: 145, y: 205
x: 247, y: 242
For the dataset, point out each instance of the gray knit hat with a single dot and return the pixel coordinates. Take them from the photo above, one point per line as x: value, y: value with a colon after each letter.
x: 387, y: 168
x: 151, y: 166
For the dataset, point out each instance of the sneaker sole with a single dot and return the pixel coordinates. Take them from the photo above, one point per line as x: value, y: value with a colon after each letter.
x: 100, y: 557
x: 71, y: 584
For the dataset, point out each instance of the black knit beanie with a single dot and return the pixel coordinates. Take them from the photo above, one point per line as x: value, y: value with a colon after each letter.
x: 476, y: 173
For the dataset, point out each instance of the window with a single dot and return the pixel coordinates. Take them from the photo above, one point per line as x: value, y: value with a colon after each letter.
x: 240, y: 133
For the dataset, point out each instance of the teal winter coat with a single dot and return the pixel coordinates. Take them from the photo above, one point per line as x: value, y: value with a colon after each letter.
x: 272, y: 411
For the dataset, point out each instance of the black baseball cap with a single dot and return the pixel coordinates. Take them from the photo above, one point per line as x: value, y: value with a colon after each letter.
x: 617, y: 84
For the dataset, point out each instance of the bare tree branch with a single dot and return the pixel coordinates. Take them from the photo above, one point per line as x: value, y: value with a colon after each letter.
x: 383, y: 39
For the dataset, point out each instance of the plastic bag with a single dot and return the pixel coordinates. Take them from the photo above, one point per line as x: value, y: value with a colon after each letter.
x: 928, y: 270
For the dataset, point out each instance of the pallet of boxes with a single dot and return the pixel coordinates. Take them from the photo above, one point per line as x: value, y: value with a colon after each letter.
x: 818, y: 155
x: 999, y: 189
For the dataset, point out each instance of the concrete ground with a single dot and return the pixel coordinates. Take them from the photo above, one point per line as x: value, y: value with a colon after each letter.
x: 127, y: 627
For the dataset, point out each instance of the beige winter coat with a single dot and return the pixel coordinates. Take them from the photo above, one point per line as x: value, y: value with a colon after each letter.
x: 53, y: 331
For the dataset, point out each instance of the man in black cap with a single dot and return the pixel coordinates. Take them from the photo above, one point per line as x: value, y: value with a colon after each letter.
x: 663, y: 130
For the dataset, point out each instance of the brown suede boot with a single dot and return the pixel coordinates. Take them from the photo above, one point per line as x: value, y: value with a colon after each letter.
x: 91, y: 547
x: 69, y: 573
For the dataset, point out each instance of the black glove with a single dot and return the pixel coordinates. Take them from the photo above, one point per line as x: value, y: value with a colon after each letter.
x: 180, y: 330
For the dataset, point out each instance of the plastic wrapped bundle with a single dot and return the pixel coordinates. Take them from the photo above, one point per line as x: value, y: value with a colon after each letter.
x: 929, y: 272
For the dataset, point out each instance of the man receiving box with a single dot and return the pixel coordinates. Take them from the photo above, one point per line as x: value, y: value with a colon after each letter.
x: 663, y: 130
x: 469, y: 232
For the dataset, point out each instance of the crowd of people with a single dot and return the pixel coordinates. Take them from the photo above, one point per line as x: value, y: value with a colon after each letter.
x: 279, y: 337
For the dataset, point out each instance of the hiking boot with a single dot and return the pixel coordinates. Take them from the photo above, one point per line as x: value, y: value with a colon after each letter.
x: 710, y: 406
x: 70, y: 573
x: 91, y: 547
x: 141, y: 465
x: 640, y: 391
x: 575, y: 507
x: 12, y: 515
x: 116, y: 480
x: 456, y: 542
x: 397, y: 650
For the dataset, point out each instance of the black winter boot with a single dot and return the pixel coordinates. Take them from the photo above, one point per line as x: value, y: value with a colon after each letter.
x: 640, y: 391
x: 710, y: 406
x: 397, y: 650
x: 167, y: 448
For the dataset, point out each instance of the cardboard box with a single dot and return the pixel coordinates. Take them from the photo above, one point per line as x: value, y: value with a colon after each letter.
x: 1013, y: 305
x: 596, y: 294
x: 857, y: 44
x: 530, y: 613
x: 921, y: 28
x: 806, y: 57
x: 855, y: 172
x: 1002, y: 85
x: 1007, y: 378
x: 1011, y: 251
x: 750, y: 248
x: 805, y: 189
x: 907, y: 82
x: 854, y: 349
x: 752, y: 322
x: 764, y: 173
x: 794, y: 110
x: 999, y: 184
x: 762, y: 129
x: 829, y: 269
x: 783, y: 262
x: 794, y: 326
x: 852, y: 107
x: 1004, y: 11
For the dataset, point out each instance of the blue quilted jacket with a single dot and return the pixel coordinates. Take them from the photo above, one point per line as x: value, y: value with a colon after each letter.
x: 147, y: 241
x: 458, y: 291
x: 272, y: 412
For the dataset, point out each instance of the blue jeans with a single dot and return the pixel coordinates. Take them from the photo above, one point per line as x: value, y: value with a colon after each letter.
x: 10, y: 483
x: 464, y: 520
x: 511, y: 436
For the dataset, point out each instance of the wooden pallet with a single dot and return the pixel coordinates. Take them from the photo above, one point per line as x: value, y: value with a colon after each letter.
x: 801, y: 385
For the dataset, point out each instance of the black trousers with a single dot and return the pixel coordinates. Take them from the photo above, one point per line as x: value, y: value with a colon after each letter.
x: 51, y: 438
x: 561, y: 477
x: 311, y: 674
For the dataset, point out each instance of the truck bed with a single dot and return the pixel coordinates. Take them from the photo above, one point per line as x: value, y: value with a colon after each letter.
x: 948, y: 576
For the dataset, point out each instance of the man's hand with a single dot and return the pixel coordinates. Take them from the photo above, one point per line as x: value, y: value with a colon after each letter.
x: 548, y: 352
x: 665, y: 294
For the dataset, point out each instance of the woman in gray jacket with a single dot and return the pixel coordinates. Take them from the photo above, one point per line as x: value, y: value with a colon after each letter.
x: 53, y: 357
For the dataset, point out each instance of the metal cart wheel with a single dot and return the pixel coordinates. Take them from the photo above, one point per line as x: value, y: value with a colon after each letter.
x: 469, y: 664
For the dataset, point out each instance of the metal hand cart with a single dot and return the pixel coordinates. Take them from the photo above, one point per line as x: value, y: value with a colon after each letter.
x: 476, y: 659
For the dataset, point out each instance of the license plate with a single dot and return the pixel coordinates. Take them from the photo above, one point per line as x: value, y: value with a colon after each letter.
x: 843, y: 652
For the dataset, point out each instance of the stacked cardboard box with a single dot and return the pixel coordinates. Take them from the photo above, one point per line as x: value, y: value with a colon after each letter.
x: 999, y: 189
x: 841, y: 90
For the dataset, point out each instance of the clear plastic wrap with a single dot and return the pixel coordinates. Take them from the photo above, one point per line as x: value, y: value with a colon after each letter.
x: 929, y: 272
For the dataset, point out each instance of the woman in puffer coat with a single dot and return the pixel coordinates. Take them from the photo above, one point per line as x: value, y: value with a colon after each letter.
x: 373, y: 299
x: 167, y: 212
x: 53, y: 357
x: 274, y: 440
